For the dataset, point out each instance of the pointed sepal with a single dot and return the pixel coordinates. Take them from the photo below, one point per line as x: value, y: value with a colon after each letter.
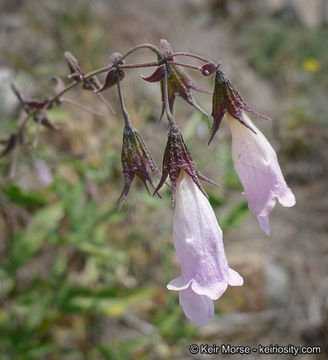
x: 27, y: 102
x: 157, y: 75
x: 112, y: 77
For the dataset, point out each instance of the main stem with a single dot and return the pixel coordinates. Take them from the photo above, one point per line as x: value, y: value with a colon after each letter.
x: 191, y: 55
x: 184, y: 65
x: 99, y: 71
x: 106, y: 68
x: 166, y: 99
x: 73, y: 84
x: 125, y: 113
x: 126, y: 66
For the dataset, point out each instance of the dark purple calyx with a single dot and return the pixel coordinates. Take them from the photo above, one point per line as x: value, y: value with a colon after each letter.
x: 179, y: 84
x: 136, y: 160
x: 176, y: 158
x: 227, y: 99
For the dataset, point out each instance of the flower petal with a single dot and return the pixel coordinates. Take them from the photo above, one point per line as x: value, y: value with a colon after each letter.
x: 178, y: 283
x: 287, y: 199
x: 257, y: 166
x: 198, y: 237
x: 235, y: 278
x: 198, y: 242
x: 264, y: 223
x: 198, y: 308
x: 212, y: 290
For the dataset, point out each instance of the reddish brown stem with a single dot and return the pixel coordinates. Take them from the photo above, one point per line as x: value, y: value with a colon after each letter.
x: 191, y: 55
x: 141, y: 46
x: 124, y: 111
x: 184, y: 65
x: 166, y: 100
x: 134, y: 66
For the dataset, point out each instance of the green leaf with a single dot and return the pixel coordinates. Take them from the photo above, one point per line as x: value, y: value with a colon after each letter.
x: 20, y: 197
x: 108, y: 303
x: 28, y: 242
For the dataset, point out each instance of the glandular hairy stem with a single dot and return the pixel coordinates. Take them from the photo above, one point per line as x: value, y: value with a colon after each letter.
x: 124, y: 111
x: 166, y: 98
x: 141, y: 46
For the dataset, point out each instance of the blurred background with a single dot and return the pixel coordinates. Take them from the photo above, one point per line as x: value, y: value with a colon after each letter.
x: 80, y: 280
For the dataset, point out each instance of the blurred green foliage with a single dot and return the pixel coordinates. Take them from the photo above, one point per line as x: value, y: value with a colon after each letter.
x: 59, y: 274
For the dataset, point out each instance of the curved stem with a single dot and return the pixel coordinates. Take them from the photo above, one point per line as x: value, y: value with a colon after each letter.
x: 57, y: 96
x: 184, y: 65
x: 134, y: 66
x: 125, y: 113
x: 141, y: 46
x: 73, y: 84
x: 166, y: 100
x: 191, y: 55
x: 96, y: 72
x: 50, y: 102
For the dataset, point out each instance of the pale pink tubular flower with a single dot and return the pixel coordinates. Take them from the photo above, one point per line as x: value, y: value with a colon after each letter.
x: 198, y: 242
x: 257, y: 166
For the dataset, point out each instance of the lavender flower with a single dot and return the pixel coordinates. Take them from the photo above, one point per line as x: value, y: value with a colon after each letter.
x: 257, y: 166
x: 254, y: 158
x: 198, y: 242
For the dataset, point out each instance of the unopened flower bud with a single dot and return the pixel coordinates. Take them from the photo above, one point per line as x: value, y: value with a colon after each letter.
x: 115, y: 58
x: 136, y: 160
x: 209, y: 68
x: 166, y: 49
